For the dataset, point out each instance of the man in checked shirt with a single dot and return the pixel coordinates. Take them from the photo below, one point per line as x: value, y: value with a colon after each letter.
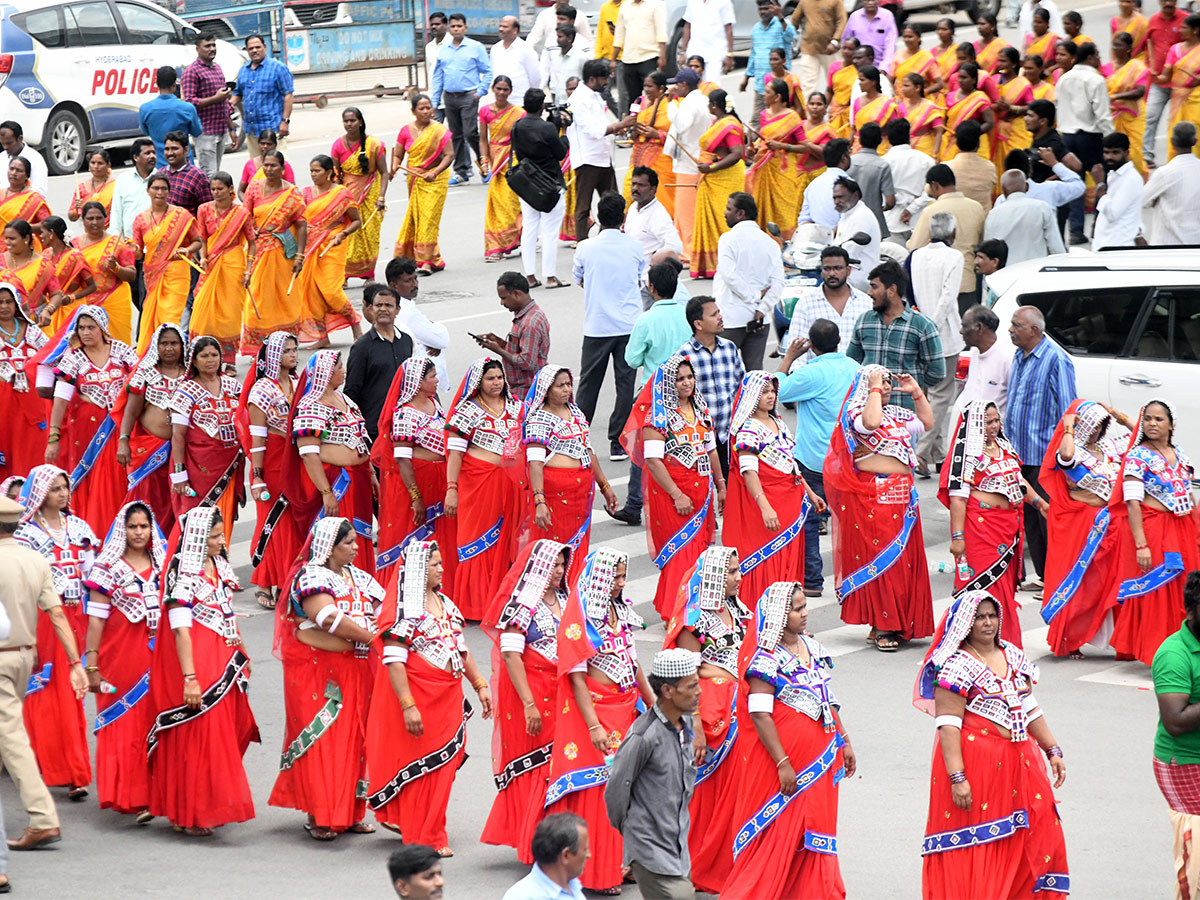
x: 203, y: 85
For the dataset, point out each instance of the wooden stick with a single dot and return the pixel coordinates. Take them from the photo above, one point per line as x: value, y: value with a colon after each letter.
x: 329, y: 246
x: 671, y: 135
x: 187, y: 259
x: 373, y: 214
x: 290, y: 283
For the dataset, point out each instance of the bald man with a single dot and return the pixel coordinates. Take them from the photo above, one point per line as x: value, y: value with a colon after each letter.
x: 1029, y: 227
x: 515, y: 59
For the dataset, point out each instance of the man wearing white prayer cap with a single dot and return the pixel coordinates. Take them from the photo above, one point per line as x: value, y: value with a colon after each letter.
x: 652, y: 778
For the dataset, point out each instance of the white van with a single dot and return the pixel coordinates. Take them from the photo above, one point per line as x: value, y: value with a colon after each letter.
x: 75, y: 74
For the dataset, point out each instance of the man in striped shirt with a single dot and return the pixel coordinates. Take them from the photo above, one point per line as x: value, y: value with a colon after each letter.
x: 1041, y: 386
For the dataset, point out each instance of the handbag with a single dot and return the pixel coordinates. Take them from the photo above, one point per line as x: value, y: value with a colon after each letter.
x: 532, y: 184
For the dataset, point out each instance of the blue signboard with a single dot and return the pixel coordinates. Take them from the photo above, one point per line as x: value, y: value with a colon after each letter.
x: 332, y: 49
x: 483, y: 16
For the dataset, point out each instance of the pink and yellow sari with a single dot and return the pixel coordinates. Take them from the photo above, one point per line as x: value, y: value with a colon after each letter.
x: 1185, y: 90
x: 362, y: 247
x: 273, y: 307
x: 70, y: 267
x: 881, y: 110
x: 712, y: 193
x: 947, y: 63
x: 1043, y: 90
x: 988, y: 57
x: 924, y: 119
x: 1010, y: 131
x: 167, y: 278
x: 220, y: 296
x: 28, y: 205
x: 37, y: 281
x: 502, y: 216
x: 418, y: 237
x: 112, y: 294
x: 960, y: 109
x: 648, y: 151
x: 326, y: 307
x: 1041, y: 46
x: 84, y: 194
x: 1129, y: 116
x: 776, y: 179
x: 1136, y: 28
x: 841, y: 85
x: 921, y: 62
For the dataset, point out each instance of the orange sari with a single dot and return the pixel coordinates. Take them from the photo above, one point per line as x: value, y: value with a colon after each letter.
x: 988, y: 57
x: 38, y: 281
x: 28, y: 205
x: 326, y: 307
x: 274, y: 307
x: 960, y: 109
x: 112, y: 294
x: 648, y: 151
x: 1129, y: 116
x: 1042, y: 46
x: 924, y: 119
x: 776, y: 179
x: 69, y: 268
x: 422, y: 225
x: 220, y: 296
x: 841, y: 85
x: 947, y: 63
x: 1136, y: 28
x: 167, y: 279
x: 881, y: 110
x: 104, y: 196
x: 1010, y: 131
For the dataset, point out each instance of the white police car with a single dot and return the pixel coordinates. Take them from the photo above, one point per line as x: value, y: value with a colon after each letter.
x: 74, y: 74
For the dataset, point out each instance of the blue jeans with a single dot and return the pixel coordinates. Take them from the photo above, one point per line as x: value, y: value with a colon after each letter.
x: 1156, y: 103
x: 814, y: 579
x: 633, y: 495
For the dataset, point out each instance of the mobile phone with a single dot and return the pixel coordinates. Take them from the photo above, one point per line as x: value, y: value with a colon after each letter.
x: 472, y: 334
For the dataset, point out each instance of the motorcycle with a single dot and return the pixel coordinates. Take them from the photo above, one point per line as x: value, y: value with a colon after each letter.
x: 802, y: 255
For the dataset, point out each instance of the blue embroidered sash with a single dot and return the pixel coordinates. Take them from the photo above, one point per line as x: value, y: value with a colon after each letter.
x: 716, y: 755
x: 575, y: 539
x: 974, y: 835
x: 339, y: 487
x: 1070, y: 584
x: 777, y: 543
x: 1148, y: 582
x: 153, y: 463
x: 579, y: 780
x: 887, y: 557
x: 684, y: 535
x: 392, y: 555
x: 92, y: 452
x: 820, y: 843
x: 1058, y: 882
x: 38, y: 680
x: 481, y: 544
x: 124, y: 703
x: 774, y: 807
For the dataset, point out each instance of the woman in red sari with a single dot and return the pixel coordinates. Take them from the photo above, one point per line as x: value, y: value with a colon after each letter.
x: 670, y: 436
x: 417, y: 725
x: 142, y: 412
x: 332, y: 219
x: 993, y: 829
x: 710, y: 621
x: 523, y: 619
x: 53, y: 711
x: 23, y: 444
x: 89, y: 368
x: 1016, y: 93
x: 96, y: 189
x: 989, y: 45
x: 26, y: 267
x: 164, y: 237
x: 323, y: 634
x: 785, y: 817
x: 768, y: 500
x: 1154, y: 513
x: 71, y: 270
x: 880, y: 572
x: 123, y: 613
x: 485, y: 487
x: 205, y: 451
x: 112, y: 263
x: 926, y: 120
x: 981, y: 484
x: 1078, y: 473
x: 563, y: 471
x: 1041, y: 41
x: 599, y: 682
x: 227, y: 233
x: 968, y: 102
x: 262, y: 416
x: 199, y: 679
x: 410, y: 453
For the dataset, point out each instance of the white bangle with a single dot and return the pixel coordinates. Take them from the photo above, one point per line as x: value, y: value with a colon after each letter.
x: 180, y: 616
x: 179, y: 419
x: 310, y: 450
x: 179, y: 478
x: 955, y: 721
x: 654, y: 449
x: 402, y: 451
x: 257, y: 485
x: 764, y: 703
x: 258, y: 431
x: 511, y: 642
x: 535, y: 453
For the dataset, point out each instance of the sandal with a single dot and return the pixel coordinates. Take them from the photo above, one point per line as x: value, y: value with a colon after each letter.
x: 887, y: 642
x: 361, y: 828
x: 193, y: 832
x: 395, y: 829
x: 533, y: 282
x: 143, y: 817
x: 77, y: 794
x: 318, y: 833
x: 556, y: 283
x: 445, y: 853
x: 1076, y: 654
x: 268, y: 602
x: 425, y: 270
x: 606, y: 892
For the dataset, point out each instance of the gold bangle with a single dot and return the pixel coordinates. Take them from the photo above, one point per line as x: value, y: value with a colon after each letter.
x: 479, y: 683
x: 407, y: 702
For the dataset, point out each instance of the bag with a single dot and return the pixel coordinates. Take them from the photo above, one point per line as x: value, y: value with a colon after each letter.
x: 533, y: 185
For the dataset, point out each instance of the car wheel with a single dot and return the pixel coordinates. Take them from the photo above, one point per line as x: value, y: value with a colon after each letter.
x: 673, y: 50
x: 977, y: 8
x: 64, y: 142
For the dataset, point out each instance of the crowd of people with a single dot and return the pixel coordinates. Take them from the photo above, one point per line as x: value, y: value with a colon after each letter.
x: 387, y: 522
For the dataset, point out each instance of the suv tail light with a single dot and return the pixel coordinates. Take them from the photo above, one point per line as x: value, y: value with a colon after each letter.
x: 6, y: 64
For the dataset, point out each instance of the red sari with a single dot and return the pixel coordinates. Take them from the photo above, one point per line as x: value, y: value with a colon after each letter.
x: 213, y: 453
x: 23, y: 446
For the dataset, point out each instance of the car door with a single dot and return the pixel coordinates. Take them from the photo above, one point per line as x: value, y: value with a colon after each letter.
x: 153, y: 40
x: 101, y: 61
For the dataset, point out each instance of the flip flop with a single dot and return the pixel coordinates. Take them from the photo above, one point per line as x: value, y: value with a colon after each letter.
x: 553, y: 287
x: 887, y: 642
x: 268, y: 603
x: 533, y: 282
x: 318, y: 833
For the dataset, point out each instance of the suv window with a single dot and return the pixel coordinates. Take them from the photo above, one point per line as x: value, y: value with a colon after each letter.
x: 147, y: 26
x: 1096, y: 322
x: 1185, y: 321
x: 91, y: 25
x: 44, y: 26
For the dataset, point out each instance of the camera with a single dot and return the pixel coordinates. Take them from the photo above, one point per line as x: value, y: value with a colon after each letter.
x: 558, y: 115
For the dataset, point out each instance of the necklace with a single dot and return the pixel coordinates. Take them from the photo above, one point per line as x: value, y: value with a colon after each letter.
x: 58, y: 535
x: 11, y: 336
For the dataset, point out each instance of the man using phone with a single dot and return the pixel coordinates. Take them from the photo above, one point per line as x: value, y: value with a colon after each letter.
x: 527, y: 346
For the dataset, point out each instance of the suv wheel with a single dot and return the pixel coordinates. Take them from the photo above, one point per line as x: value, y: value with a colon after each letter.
x: 977, y: 8
x: 673, y: 50
x: 64, y: 142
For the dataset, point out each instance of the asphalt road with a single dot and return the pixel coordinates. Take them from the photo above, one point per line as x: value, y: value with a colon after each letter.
x: 1102, y: 712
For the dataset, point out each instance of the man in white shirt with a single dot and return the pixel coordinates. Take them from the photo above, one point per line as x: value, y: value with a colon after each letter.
x: 908, y: 166
x: 438, y: 31
x: 834, y: 299
x: 936, y: 275
x: 749, y: 279
x: 1119, y: 207
x: 12, y: 139
x: 541, y: 35
x: 854, y: 216
x: 1169, y: 199
x: 647, y: 219
x: 708, y: 32
x: 989, y: 362
x: 513, y: 57
x: 864, y: 56
x: 428, y: 336
x: 689, y: 121
x: 1029, y: 227
x: 1084, y: 118
x: 818, y: 206
x: 562, y: 62
x: 591, y: 144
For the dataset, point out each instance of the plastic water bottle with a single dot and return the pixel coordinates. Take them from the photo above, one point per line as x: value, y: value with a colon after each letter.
x: 106, y: 688
x: 964, y: 572
x: 943, y: 568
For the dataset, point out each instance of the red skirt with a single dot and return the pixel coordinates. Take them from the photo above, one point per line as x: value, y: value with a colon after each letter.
x: 53, y: 717
x: 569, y: 494
x: 1010, y: 795
x: 333, y: 691
x: 1147, y: 620
x: 419, y: 807
x: 490, y: 507
x: 97, y: 496
x: 781, y: 862
x: 23, y: 445
x: 357, y: 505
x: 1083, y: 615
x: 283, y: 541
x: 898, y: 599
x: 521, y: 804
x: 744, y: 529
x: 208, y: 460
x: 710, y: 839
x: 993, y: 546
x: 122, y: 773
x: 197, y: 778
x: 663, y: 523
x: 155, y: 489
x: 395, y: 512
x: 573, y: 752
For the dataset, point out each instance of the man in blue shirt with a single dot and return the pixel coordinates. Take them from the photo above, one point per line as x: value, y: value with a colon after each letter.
x: 560, y: 850
x: 264, y: 95
x: 462, y: 75
x: 771, y: 31
x: 167, y: 113
x: 818, y: 390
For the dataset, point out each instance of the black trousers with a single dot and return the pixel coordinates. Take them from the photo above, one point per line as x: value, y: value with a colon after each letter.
x: 592, y: 369
x: 632, y: 76
x: 1035, y: 525
x: 753, y: 344
x: 590, y: 180
x: 1089, y: 147
x: 462, y: 118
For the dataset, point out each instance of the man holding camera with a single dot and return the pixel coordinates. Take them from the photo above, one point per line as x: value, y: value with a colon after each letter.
x: 589, y: 132
x: 537, y: 142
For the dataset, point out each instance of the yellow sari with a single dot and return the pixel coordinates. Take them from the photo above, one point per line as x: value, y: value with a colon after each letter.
x: 502, y: 215
x: 959, y: 110
x: 947, y: 63
x: 712, y: 194
x: 988, y: 57
x: 923, y: 121
x: 326, y: 306
x: 28, y: 205
x: 1043, y: 90
x: 69, y: 268
x: 167, y: 279
x: 1136, y: 28
x: 38, y: 282
x: 1042, y: 46
x: 649, y: 152
x: 104, y: 196
x: 362, y: 247
x: 220, y: 296
x: 418, y: 237
x: 566, y: 231
x: 112, y: 294
x: 1010, y: 131
x: 841, y: 84
x: 881, y: 110
x: 274, y: 308
x: 776, y: 179
x: 1129, y: 116
x: 921, y: 62
x: 1185, y: 92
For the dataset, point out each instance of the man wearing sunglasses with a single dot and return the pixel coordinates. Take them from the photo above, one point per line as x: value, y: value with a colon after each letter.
x: 834, y: 299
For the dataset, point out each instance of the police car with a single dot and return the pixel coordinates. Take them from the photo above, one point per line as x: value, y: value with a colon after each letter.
x: 74, y: 74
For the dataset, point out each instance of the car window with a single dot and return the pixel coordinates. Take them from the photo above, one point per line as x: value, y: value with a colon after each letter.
x: 1152, y: 342
x: 91, y: 25
x: 147, y: 26
x: 1185, y: 341
x: 44, y: 26
x: 1095, y: 322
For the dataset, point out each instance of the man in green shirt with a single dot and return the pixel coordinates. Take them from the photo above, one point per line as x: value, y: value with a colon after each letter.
x: 1176, y: 673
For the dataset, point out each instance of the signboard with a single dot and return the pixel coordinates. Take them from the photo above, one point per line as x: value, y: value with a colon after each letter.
x: 339, y: 47
x: 483, y: 16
